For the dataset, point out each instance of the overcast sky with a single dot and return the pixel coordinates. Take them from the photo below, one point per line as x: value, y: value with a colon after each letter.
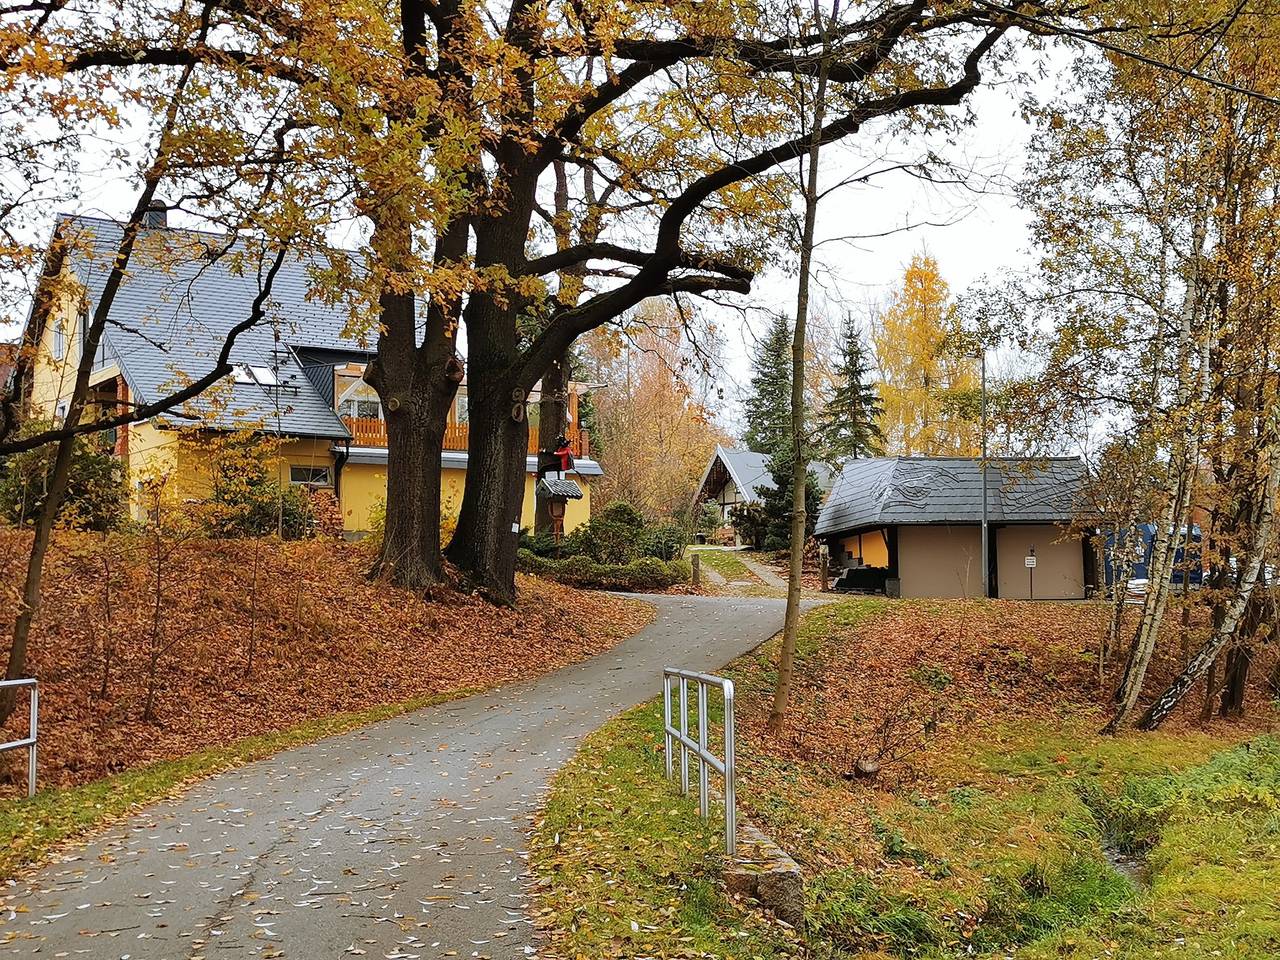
x: 971, y: 234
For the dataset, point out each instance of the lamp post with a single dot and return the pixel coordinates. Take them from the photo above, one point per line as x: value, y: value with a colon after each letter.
x: 986, y: 555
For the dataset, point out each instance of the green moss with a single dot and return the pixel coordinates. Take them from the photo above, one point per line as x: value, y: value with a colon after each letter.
x: 30, y: 828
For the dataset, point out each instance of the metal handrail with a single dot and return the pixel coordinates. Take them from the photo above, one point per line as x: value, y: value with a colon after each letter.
x: 34, y: 726
x: 707, y: 760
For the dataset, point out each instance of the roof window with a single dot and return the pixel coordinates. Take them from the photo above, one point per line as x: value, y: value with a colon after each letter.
x: 244, y: 373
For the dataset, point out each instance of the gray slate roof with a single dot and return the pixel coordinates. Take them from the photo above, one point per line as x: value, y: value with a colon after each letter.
x: 749, y: 470
x: 888, y: 491
x: 175, y: 307
x: 558, y: 487
x: 751, y: 474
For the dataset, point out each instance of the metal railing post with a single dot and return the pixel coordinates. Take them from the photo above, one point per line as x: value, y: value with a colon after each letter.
x: 684, y: 737
x: 34, y: 727
x: 707, y: 760
x: 666, y: 723
x: 730, y: 794
x: 704, y: 774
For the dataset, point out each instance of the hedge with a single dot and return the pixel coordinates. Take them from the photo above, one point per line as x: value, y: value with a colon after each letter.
x: 647, y: 573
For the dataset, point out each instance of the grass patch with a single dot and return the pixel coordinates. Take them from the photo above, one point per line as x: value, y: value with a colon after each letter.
x: 627, y: 868
x: 32, y: 827
x: 724, y: 563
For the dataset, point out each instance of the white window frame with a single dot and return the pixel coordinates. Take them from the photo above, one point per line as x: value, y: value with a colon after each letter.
x: 327, y: 481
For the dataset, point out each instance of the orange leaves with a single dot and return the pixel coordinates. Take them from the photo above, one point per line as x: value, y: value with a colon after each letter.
x: 923, y: 380
x: 327, y: 640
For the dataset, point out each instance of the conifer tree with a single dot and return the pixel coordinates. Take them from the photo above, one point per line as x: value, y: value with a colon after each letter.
x: 768, y: 407
x: 850, y: 422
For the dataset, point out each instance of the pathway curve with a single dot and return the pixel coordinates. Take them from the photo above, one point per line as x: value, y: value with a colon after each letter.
x: 401, y: 840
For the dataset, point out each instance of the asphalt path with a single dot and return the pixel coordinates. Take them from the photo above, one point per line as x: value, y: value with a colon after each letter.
x: 400, y: 840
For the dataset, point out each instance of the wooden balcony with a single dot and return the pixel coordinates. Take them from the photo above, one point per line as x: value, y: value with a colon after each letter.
x: 372, y: 432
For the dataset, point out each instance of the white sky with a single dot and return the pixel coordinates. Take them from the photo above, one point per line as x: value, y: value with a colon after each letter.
x: 970, y: 234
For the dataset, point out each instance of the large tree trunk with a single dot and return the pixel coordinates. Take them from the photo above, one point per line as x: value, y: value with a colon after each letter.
x: 416, y: 382
x: 410, y: 555
x: 484, y: 546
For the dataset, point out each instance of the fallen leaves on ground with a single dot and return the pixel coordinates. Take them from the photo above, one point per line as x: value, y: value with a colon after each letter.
x: 256, y: 636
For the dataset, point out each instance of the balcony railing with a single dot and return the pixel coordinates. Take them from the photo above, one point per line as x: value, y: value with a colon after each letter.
x: 372, y: 432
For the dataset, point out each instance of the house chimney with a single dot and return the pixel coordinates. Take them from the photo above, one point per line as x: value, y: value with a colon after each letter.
x: 157, y: 215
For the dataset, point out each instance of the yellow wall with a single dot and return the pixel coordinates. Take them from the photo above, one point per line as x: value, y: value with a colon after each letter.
x: 52, y: 379
x: 363, y: 485
x: 870, y: 546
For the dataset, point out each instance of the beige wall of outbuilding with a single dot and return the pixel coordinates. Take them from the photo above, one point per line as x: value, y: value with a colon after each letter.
x: 940, y: 561
x: 1059, y: 570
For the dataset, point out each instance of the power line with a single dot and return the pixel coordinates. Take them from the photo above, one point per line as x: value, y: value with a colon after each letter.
x: 1133, y: 54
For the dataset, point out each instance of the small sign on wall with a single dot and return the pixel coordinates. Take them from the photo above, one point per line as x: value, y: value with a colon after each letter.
x: 1030, y: 561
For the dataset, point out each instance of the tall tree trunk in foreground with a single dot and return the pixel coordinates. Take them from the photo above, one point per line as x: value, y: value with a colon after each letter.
x: 484, y: 544
x: 489, y: 520
x: 1175, y: 516
x: 89, y: 340
x: 1200, y: 663
x: 799, y: 453
x: 416, y: 383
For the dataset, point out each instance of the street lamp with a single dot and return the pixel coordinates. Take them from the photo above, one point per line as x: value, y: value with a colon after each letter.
x: 986, y: 555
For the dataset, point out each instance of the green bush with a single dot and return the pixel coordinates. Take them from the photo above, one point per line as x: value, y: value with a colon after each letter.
x: 542, y: 544
x: 645, y: 573
x: 612, y: 536
x: 97, y: 491
x: 666, y: 541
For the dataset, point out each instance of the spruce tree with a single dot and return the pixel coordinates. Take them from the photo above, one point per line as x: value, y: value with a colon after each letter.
x: 850, y: 423
x: 768, y: 407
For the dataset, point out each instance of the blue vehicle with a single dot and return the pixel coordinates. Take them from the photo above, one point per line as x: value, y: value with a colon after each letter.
x: 1143, y: 544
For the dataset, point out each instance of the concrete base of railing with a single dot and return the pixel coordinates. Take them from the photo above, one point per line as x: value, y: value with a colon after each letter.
x: 764, y: 872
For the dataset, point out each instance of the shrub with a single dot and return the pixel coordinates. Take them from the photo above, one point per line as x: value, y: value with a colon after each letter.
x: 749, y: 523
x: 646, y: 573
x: 666, y: 541
x: 541, y: 544
x: 97, y: 492
x: 612, y: 536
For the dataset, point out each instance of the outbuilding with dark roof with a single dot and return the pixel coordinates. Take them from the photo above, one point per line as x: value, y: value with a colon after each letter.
x: 912, y: 526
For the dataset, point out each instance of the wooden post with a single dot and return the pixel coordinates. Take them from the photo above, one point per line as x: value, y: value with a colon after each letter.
x: 697, y: 571
x: 823, y: 569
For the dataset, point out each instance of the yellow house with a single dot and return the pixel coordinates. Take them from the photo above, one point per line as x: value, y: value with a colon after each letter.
x: 298, y: 373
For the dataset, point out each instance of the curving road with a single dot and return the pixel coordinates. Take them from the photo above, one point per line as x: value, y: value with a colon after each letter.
x: 400, y: 840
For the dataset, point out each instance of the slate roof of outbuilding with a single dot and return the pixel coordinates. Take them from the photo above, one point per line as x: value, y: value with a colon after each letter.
x: 176, y: 306
x: 888, y: 491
